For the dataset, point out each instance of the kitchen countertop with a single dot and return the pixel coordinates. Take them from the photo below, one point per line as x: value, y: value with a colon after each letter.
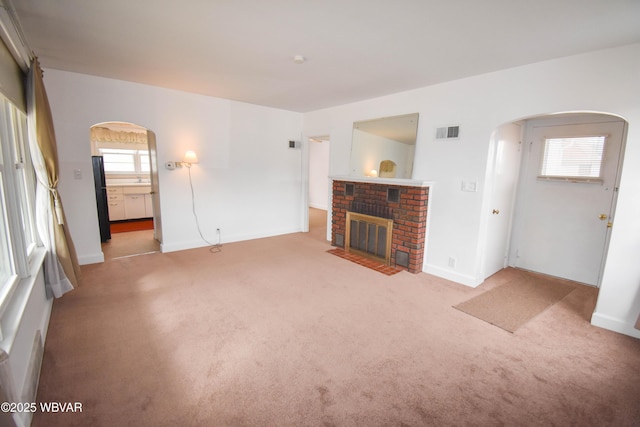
x: 129, y: 184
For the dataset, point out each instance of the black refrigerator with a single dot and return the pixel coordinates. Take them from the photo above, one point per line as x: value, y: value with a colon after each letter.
x: 101, y: 197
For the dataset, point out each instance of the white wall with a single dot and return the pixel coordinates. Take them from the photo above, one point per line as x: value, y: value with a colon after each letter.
x: 319, y: 174
x: 604, y: 81
x: 248, y: 182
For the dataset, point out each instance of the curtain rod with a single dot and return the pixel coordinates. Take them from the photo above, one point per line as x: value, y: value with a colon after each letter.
x: 13, y: 36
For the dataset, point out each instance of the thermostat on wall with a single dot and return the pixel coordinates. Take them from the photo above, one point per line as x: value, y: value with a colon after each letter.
x: 294, y: 144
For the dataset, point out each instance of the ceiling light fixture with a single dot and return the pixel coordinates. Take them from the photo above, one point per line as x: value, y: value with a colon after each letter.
x: 299, y: 59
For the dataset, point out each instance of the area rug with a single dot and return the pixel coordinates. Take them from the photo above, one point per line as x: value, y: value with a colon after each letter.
x: 513, y: 304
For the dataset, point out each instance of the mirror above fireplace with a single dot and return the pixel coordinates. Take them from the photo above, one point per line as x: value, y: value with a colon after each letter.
x: 378, y: 143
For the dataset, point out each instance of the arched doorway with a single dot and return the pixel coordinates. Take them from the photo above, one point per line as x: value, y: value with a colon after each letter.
x: 560, y: 198
x: 125, y: 177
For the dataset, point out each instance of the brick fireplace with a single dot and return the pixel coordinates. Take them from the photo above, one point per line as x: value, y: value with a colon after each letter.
x: 404, y: 202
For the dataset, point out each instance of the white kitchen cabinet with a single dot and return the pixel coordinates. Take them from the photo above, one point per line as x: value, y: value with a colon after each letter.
x: 129, y: 202
x: 115, y: 202
x: 148, y: 205
x: 134, y: 206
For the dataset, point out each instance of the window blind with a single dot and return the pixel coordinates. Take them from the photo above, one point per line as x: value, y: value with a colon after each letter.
x: 578, y: 157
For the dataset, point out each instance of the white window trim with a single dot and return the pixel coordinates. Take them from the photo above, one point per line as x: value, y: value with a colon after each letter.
x: 26, y: 259
x: 12, y: 198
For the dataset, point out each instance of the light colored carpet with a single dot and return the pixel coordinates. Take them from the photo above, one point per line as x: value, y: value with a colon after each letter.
x: 277, y: 332
x: 513, y: 304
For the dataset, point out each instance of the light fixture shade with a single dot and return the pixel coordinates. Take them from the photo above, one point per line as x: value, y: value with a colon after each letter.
x: 190, y: 157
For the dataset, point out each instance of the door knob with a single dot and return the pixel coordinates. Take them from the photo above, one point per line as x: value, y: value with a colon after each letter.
x: 495, y: 212
x: 603, y: 217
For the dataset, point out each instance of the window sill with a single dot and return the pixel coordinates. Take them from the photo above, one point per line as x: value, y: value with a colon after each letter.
x: 572, y: 179
x: 15, y: 301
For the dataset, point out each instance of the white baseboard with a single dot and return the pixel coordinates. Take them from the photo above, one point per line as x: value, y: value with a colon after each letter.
x: 454, y: 276
x: 193, y: 244
x: 318, y: 206
x: 91, y: 259
x: 614, y: 324
x: 182, y: 246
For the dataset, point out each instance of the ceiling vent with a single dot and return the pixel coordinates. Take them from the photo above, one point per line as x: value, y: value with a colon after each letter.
x: 448, y: 132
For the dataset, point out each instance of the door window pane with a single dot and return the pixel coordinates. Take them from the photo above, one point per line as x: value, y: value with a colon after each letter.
x: 573, y: 157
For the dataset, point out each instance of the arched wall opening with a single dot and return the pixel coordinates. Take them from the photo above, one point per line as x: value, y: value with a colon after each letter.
x: 517, y: 207
x: 126, y: 186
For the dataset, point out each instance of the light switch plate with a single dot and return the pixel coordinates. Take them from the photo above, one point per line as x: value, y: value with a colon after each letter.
x: 470, y: 186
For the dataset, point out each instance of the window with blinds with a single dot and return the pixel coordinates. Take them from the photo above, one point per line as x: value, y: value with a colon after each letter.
x: 576, y: 158
x: 123, y: 161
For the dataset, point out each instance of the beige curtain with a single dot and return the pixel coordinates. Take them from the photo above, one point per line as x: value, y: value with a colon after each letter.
x: 62, y: 271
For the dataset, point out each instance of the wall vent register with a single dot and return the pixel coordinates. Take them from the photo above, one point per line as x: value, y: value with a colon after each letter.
x: 448, y: 132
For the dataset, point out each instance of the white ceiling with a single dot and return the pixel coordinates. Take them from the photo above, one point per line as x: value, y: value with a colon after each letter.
x: 355, y: 49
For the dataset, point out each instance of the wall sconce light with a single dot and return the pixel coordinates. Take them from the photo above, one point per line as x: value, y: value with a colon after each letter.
x: 189, y: 159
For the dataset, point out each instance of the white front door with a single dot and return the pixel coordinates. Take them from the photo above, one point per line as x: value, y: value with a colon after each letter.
x: 562, y: 224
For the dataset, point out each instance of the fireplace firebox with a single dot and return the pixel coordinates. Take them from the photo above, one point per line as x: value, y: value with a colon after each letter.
x: 369, y: 236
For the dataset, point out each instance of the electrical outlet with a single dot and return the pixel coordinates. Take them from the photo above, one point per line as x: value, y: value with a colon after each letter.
x: 452, y: 262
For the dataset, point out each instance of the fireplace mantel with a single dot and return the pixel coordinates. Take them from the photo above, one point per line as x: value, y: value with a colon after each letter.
x: 383, y: 181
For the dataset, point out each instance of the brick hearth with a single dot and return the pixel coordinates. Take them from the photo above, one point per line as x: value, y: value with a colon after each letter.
x: 409, y: 214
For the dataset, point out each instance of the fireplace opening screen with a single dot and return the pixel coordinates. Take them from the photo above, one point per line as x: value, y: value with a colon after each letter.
x: 369, y: 236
